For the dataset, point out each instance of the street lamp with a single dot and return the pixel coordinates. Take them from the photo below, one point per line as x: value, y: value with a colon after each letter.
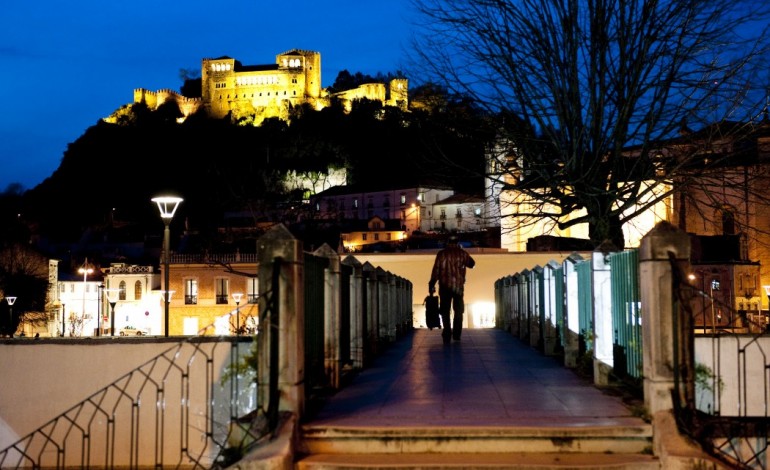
x: 11, y: 301
x: 85, y: 271
x: 63, y: 308
x: 237, y: 296
x: 112, y: 298
x: 167, y: 205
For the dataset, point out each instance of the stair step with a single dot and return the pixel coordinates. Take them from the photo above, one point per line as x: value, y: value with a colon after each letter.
x: 472, y: 461
x: 455, y: 440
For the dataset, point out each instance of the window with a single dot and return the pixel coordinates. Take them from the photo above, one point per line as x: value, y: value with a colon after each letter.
x: 122, y: 290
x: 421, y: 196
x: 389, y: 236
x: 376, y: 236
x: 403, y: 198
x: 252, y: 290
x: 190, y: 291
x: 355, y: 203
x: 728, y: 223
x: 363, y: 236
x: 477, y: 212
x: 223, y: 289
x: 138, y: 290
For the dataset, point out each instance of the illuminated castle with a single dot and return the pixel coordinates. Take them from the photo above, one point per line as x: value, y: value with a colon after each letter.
x: 256, y: 92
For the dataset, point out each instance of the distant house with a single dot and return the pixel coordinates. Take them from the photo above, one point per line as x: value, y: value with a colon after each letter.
x: 420, y: 208
x: 458, y: 212
x: 376, y: 235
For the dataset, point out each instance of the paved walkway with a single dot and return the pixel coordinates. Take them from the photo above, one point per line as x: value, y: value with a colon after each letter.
x: 488, y: 379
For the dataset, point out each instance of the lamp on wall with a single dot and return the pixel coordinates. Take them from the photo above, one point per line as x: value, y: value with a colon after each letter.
x: 167, y: 205
x: 237, y: 296
x: 11, y: 300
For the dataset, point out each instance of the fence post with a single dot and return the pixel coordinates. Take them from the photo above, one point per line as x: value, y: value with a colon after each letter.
x: 601, y: 283
x: 372, y: 310
x: 657, y: 299
x: 332, y: 315
x: 571, y: 330
x: 278, y: 245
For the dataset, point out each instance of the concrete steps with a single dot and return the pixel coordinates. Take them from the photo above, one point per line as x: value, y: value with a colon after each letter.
x: 331, y: 448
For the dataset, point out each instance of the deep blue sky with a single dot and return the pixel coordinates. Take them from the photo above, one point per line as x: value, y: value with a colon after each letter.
x: 65, y: 65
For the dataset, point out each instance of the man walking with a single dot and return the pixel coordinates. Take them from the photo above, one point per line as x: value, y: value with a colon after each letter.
x: 449, y: 272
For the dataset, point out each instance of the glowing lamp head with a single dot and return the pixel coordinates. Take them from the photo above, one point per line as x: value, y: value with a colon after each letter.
x: 167, y: 205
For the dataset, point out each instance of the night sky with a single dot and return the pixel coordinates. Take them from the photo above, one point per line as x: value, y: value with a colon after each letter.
x: 66, y: 65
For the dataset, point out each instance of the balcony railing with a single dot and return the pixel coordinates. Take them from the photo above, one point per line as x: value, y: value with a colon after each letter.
x: 221, y: 258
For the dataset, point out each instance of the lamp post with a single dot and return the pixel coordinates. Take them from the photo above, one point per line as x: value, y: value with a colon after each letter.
x: 62, y: 318
x: 112, y: 298
x: 11, y: 301
x: 237, y: 296
x: 85, y: 271
x: 767, y: 293
x: 167, y: 205
x: 99, y: 309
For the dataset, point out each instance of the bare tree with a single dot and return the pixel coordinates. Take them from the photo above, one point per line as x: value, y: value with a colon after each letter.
x: 584, y: 81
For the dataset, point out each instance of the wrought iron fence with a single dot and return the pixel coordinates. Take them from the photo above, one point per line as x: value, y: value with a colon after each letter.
x: 722, y: 393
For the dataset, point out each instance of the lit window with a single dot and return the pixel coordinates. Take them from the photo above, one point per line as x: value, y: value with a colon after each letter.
x: 190, y: 291
x: 403, y: 199
x: 223, y: 290
x: 122, y: 290
x: 138, y: 290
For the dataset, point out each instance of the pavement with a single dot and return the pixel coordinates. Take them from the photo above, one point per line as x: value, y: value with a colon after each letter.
x: 489, y: 378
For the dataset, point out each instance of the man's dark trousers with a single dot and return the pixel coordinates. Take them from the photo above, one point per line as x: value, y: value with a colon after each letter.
x: 449, y: 301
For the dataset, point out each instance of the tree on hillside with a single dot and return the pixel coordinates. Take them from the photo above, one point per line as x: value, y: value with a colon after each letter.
x: 580, y: 81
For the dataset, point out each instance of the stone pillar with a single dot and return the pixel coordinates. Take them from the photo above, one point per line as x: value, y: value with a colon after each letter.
x: 535, y: 334
x: 371, y: 345
x: 357, y: 320
x: 279, y: 246
x: 658, y: 326
x: 332, y: 315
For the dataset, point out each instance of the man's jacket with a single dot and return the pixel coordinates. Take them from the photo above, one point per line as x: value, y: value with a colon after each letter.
x: 449, y: 269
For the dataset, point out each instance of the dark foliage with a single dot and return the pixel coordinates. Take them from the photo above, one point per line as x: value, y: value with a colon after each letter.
x: 108, y: 176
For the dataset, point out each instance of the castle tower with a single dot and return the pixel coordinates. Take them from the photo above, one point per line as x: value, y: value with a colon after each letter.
x: 308, y: 63
x: 217, y: 85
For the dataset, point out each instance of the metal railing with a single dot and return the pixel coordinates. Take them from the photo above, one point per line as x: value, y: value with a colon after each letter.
x: 721, y: 400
